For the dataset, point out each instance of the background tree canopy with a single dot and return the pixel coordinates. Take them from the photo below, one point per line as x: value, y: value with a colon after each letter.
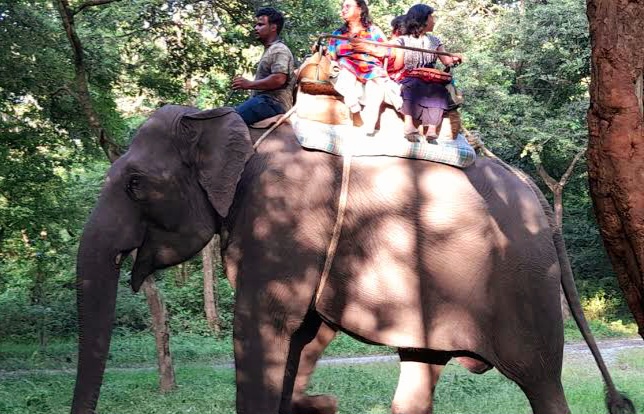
x: 525, y: 80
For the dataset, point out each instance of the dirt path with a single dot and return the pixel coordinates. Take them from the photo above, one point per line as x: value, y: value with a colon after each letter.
x: 609, y: 349
x: 572, y: 352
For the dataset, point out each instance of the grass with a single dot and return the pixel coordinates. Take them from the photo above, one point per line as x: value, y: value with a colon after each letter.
x: 138, y: 350
x: 361, y: 389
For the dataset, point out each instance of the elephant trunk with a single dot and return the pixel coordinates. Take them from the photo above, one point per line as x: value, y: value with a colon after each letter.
x: 96, y: 300
x: 98, y: 268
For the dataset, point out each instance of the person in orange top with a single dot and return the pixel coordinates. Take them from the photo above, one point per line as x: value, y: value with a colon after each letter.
x: 397, y: 30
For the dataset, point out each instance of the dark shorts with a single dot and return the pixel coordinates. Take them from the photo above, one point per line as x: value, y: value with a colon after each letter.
x: 424, y: 101
x: 259, y: 107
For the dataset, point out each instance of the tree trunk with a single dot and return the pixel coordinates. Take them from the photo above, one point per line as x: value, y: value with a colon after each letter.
x: 181, y: 276
x: 113, y: 151
x: 82, y: 95
x: 161, y: 333
x: 616, y: 144
x: 557, y: 188
x: 210, y: 256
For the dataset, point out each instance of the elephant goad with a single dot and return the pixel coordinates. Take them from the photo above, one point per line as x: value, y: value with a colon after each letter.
x: 447, y: 262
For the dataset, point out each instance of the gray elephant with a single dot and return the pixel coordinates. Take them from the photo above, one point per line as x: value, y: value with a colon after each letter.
x: 436, y: 261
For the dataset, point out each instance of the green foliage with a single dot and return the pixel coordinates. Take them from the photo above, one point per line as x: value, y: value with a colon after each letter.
x: 601, y: 329
x: 185, y: 303
x: 525, y: 79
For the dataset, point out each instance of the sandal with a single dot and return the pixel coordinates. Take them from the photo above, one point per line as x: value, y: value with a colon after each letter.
x: 413, y: 137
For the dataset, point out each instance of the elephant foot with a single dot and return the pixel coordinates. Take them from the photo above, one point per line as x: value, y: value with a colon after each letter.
x: 315, y: 404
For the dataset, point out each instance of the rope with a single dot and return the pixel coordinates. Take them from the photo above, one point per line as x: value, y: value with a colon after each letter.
x: 381, y: 44
x: 337, y: 228
x: 342, y: 204
x: 271, y: 129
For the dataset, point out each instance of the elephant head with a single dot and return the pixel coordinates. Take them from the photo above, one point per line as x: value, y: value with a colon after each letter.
x: 165, y: 198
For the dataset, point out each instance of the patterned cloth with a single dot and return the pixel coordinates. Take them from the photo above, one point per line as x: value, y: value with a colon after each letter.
x: 415, y: 59
x: 277, y: 58
x: 423, y: 101
x: 345, y: 140
x: 362, y: 65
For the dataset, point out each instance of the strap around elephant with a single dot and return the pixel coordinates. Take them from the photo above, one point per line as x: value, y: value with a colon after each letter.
x: 337, y: 228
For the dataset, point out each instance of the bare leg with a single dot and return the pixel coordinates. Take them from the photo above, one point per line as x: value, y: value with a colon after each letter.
x: 430, y: 132
x: 412, y: 133
x: 410, y: 128
x: 374, y: 95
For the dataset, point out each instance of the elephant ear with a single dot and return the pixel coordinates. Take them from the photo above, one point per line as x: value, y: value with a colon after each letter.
x: 218, y: 144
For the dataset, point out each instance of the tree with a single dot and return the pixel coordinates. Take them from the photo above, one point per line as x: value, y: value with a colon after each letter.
x: 81, y: 87
x: 161, y: 330
x: 113, y: 151
x: 616, y: 143
x: 211, y: 258
x: 557, y: 187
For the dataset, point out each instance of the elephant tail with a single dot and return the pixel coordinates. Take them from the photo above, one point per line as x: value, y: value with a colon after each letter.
x: 616, y: 402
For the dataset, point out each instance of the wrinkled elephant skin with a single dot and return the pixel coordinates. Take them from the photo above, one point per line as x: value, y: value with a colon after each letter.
x: 449, y: 262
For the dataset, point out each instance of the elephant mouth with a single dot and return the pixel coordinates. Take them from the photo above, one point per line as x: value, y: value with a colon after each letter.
x: 120, y: 257
x: 142, y: 268
x: 160, y: 250
x: 138, y: 274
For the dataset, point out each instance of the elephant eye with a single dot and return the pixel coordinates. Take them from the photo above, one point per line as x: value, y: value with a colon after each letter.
x: 134, y: 186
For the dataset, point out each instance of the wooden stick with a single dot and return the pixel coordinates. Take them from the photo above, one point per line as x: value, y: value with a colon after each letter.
x: 381, y: 44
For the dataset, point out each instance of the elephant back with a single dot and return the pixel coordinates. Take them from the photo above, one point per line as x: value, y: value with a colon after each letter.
x: 438, y: 247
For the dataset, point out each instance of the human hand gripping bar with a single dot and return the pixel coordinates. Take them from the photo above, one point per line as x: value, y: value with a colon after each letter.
x: 382, y: 44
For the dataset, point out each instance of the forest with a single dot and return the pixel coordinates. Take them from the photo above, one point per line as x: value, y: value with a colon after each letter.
x: 79, y: 77
x: 525, y: 80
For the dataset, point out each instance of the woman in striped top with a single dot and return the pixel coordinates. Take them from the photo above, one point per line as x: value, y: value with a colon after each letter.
x: 423, y: 102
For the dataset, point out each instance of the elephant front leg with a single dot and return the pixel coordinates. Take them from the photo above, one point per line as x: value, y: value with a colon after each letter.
x: 311, y: 353
x: 269, y: 328
x: 419, y: 374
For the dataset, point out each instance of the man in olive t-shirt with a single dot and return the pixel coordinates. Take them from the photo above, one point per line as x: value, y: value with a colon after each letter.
x: 272, y: 89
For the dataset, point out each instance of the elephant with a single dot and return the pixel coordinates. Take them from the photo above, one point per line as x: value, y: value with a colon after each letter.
x: 436, y: 261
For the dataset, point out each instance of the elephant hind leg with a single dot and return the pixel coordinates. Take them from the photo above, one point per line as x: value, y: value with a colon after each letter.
x: 314, y: 404
x: 541, y: 384
x: 546, y: 398
x: 419, y: 374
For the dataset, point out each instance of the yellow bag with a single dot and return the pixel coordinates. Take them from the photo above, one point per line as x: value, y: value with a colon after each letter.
x: 315, y: 73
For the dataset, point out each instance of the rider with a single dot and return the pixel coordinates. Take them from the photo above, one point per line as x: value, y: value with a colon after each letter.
x: 397, y: 30
x: 362, y: 76
x: 272, y: 89
x: 423, y: 102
